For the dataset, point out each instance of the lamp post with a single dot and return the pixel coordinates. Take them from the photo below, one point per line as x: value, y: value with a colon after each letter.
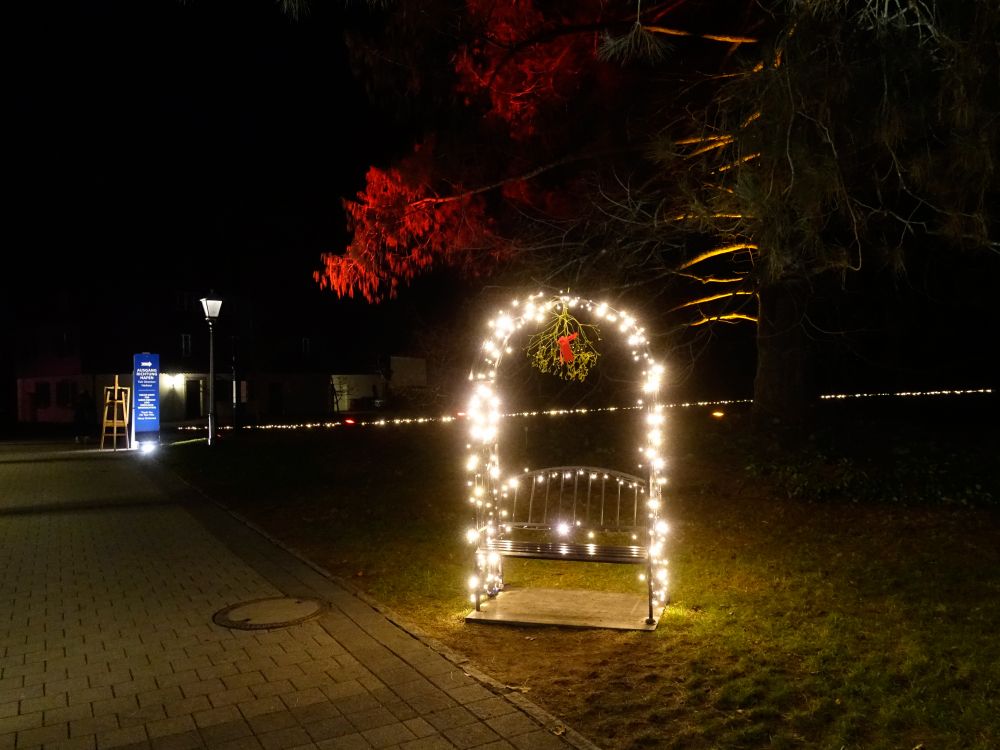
x: 211, y: 306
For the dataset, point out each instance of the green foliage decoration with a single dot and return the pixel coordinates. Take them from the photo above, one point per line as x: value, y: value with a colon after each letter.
x: 546, y: 349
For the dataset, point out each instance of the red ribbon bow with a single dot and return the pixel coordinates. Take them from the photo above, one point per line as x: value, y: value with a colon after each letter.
x: 564, y: 349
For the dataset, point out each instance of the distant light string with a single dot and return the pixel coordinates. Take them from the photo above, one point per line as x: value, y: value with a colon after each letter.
x: 585, y: 410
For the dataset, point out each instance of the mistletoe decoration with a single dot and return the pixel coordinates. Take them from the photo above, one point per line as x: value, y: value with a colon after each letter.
x: 565, y: 347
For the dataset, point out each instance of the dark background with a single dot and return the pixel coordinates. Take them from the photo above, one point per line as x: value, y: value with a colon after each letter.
x: 206, y: 144
x: 161, y: 145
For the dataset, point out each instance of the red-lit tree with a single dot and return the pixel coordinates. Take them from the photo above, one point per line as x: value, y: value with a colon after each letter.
x: 790, y: 157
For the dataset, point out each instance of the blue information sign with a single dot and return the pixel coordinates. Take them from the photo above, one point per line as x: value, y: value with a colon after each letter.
x: 146, y: 392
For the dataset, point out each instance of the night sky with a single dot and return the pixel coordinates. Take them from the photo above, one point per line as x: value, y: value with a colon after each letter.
x: 202, y: 141
x: 207, y: 145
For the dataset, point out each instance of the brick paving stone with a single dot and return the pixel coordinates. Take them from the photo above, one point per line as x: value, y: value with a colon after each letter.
x: 343, y: 690
x: 268, y: 689
x: 284, y: 659
x: 259, y: 706
x: 8, y: 709
x: 357, y: 702
x: 284, y: 738
x: 254, y: 665
x: 12, y: 683
x: 425, y: 704
x: 452, y: 679
x: 390, y: 734
x: 142, y: 715
x: 43, y: 735
x: 189, y: 740
x: 22, y: 670
x: 202, y: 687
x: 540, y: 740
x: 187, y: 706
x: 313, y: 680
x: 400, y: 710
x: 315, y: 712
x: 89, y: 695
x: 122, y: 705
x: 230, y: 657
x: 420, y: 727
x: 272, y: 722
x: 70, y: 685
x: 498, y: 745
x: 243, y: 743
x: 432, y: 666
x: 141, y: 685
x: 417, y: 688
x: 320, y: 663
x: 185, y: 663
x: 469, y: 693
x: 68, y: 713
x: 214, y: 716
x: 170, y: 694
x: 19, y: 723
x: 230, y: 697
x: 77, y: 743
x: 230, y: 730
x: 175, y: 725
x: 276, y: 673
x: 242, y: 679
x: 491, y: 707
x: 451, y: 717
x: 378, y: 717
x: 347, y: 742
x: 19, y: 694
x: 180, y: 679
x: 112, y: 677
x: 435, y: 742
x: 304, y: 697
x: 93, y: 725
x: 513, y: 724
x: 336, y: 726
x: 471, y: 735
x: 395, y: 675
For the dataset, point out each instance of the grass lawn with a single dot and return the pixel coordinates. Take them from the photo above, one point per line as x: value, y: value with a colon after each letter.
x: 838, y: 592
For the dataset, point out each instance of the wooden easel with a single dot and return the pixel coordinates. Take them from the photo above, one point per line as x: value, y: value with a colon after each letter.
x: 116, y: 407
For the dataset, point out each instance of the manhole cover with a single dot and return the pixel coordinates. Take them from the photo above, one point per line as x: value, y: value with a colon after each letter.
x: 259, y: 614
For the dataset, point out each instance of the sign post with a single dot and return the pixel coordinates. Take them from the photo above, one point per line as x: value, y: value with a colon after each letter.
x: 146, y: 399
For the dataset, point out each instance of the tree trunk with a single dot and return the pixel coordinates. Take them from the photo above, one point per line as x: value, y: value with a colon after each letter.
x: 782, y: 389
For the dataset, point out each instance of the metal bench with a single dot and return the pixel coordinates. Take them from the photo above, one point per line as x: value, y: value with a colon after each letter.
x: 575, y: 513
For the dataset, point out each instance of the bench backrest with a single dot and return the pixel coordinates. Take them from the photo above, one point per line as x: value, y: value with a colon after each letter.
x: 585, y: 496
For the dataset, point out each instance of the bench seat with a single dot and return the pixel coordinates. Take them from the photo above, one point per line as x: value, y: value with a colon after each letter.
x: 568, y: 551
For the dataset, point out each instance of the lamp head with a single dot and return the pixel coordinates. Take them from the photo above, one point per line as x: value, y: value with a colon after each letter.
x: 211, y: 306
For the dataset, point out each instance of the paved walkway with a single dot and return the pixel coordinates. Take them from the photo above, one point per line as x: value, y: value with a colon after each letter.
x: 110, y: 572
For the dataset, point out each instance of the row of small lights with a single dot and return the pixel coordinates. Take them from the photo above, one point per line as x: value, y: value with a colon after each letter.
x: 561, y: 412
x: 484, y: 415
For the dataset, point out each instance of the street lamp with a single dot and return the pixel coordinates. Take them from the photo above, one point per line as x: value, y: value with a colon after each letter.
x: 211, y: 306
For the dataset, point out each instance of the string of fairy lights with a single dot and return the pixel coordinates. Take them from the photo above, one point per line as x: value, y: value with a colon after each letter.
x: 447, y: 418
x: 487, y: 490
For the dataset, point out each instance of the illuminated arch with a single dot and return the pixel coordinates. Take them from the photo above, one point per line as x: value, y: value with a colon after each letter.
x: 485, y: 483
